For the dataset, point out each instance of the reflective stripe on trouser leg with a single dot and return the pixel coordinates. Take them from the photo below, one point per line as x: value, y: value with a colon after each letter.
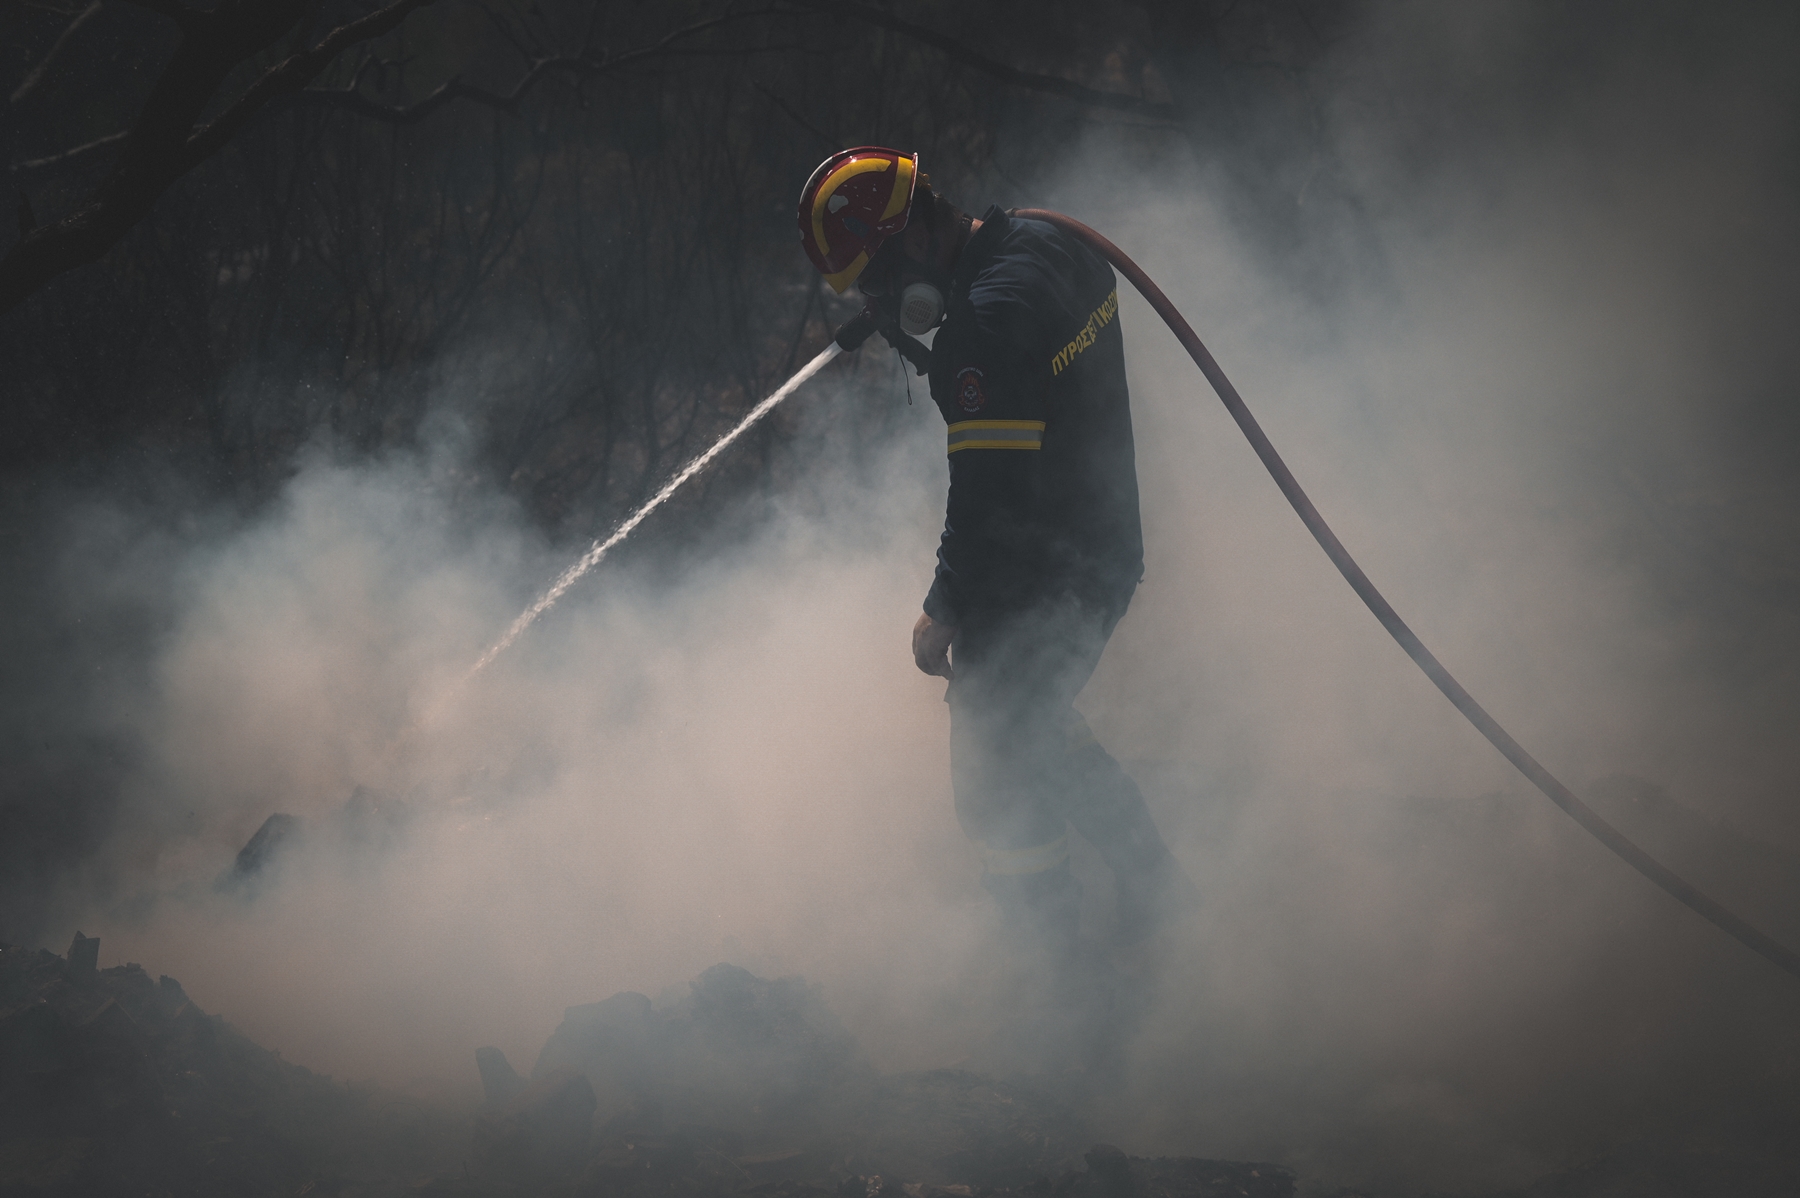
x: 1042, y: 907
x: 1108, y: 809
x: 1012, y: 863
x: 1009, y: 704
x: 1035, y: 889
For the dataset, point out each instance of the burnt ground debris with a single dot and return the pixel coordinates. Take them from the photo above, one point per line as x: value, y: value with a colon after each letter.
x: 117, y: 1083
x: 114, y: 1084
x: 367, y: 824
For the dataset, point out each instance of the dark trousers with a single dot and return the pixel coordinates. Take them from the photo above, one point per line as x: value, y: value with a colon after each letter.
x: 1026, y: 767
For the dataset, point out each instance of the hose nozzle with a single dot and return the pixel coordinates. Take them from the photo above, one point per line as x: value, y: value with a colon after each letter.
x: 858, y: 329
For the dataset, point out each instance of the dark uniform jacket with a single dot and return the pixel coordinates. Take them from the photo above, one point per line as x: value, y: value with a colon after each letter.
x: 1029, y: 372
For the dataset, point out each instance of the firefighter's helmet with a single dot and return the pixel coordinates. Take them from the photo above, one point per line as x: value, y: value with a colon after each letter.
x: 856, y: 200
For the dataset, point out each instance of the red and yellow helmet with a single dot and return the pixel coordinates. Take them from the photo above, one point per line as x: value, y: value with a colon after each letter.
x: 856, y: 200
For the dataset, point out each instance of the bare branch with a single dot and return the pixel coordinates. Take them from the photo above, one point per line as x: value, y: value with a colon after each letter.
x: 353, y: 99
x: 99, y: 143
x: 1053, y: 85
x: 834, y: 143
x: 593, y: 23
x: 175, y: 10
x: 528, y: 53
x: 292, y: 76
x: 163, y: 143
x: 42, y: 71
x: 588, y: 62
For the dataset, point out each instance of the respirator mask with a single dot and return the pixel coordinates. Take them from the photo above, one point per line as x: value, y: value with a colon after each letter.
x: 921, y: 308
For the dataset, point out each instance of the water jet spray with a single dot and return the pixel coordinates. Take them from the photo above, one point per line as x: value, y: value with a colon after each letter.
x: 600, y: 548
x: 849, y: 336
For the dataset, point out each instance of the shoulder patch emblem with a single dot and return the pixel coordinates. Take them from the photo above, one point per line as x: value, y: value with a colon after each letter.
x: 969, y: 394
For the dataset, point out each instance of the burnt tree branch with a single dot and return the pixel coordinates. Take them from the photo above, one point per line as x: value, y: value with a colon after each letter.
x: 175, y: 10
x: 587, y: 62
x: 793, y: 114
x: 62, y: 156
x: 36, y: 76
x: 956, y: 51
x: 293, y: 75
x: 164, y: 144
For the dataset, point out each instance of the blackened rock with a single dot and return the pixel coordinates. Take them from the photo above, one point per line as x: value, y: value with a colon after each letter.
x: 950, y: 1126
x: 621, y: 1045
x: 372, y: 820
x: 170, y: 996
x: 690, y: 1160
x: 277, y: 836
x: 773, y: 1045
x: 116, y: 1073
x: 131, y: 988
x: 500, y: 1082
x: 198, y: 1040
x: 1196, y: 1177
x: 120, y: 1086
x: 1111, y: 1170
x: 749, y: 1087
x: 38, y: 1054
x: 558, y: 1108
x: 739, y: 1052
x: 63, y: 1073
x: 546, y: 1128
x: 858, y: 1186
x: 33, y: 1039
x: 785, y: 1188
x: 84, y: 957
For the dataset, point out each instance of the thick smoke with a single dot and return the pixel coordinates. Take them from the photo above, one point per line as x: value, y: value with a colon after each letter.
x: 1534, y: 383
x: 1539, y: 377
x: 737, y: 766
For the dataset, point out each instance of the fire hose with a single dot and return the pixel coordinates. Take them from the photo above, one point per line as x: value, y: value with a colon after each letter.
x: 1686, y: 893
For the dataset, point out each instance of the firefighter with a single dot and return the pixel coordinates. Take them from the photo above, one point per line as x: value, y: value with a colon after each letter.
x: 1041, y: 548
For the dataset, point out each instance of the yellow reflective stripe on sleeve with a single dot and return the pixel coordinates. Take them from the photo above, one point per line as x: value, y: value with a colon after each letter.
x: 1012, y: 863
x: 996, y: 434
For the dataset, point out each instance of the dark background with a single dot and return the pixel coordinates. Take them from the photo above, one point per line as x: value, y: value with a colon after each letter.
x: 603, y: 260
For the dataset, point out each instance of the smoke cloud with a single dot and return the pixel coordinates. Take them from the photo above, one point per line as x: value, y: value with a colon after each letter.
x: 1539, y: 378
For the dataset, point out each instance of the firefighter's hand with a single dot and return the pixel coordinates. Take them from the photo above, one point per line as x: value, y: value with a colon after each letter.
x: 931, y: 646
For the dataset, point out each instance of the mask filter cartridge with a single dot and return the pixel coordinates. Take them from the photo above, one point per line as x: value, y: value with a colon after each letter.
x: 921, y: 307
